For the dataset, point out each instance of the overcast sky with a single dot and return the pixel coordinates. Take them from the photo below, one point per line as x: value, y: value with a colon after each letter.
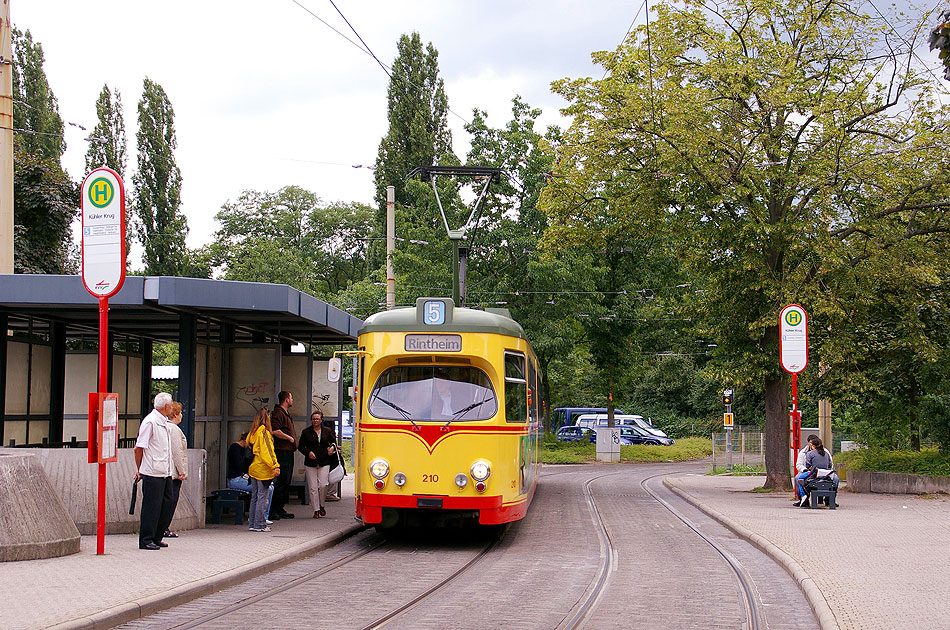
x: 265, y: 95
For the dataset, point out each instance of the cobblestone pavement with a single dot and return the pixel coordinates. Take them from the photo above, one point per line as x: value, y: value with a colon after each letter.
x: 880, y: 561
x: 877, y: 562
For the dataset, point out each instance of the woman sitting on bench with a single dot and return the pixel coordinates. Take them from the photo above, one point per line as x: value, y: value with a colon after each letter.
x: 816, y: 457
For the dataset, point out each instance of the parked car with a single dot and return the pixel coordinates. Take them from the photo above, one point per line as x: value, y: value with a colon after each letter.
x: 573, y: 433
x: 579, y: 434
x: 564, y: 416
x: 636, y: 435
x: 620, y: 419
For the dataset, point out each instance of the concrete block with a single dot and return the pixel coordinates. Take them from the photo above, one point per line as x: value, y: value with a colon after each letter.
x: 859, y: 480
x: 34, y: 523
x: 76, y: 482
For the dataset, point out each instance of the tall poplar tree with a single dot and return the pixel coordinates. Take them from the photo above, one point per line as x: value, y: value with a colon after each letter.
x: 35, y: 108
x: 45, y: 199
x: 162, y: 227
x: 108, y: 142
x: 418, y: 132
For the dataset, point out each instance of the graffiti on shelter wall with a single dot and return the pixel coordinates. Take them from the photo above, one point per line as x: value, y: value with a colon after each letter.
x: 253, y: 395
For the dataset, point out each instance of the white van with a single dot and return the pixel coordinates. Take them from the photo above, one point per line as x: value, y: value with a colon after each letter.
x: 591, y: 420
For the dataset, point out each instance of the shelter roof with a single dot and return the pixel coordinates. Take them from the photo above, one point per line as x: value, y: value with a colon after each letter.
x: 149, y: 307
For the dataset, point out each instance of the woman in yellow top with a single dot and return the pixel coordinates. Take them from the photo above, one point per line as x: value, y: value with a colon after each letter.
x: 262, y: 470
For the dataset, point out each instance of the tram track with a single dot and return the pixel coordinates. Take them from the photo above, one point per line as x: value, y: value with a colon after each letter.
x: 373, y: 545
x: 750, y: 600
x: 583, y: 610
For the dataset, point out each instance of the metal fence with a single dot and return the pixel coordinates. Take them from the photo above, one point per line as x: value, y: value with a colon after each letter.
x: 748, y: 449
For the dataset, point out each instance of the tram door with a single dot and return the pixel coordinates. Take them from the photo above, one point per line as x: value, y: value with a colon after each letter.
x: 516, y: 406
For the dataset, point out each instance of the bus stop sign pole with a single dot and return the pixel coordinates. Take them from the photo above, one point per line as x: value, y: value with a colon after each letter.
x: 103, y: 274
x: 793, y: 348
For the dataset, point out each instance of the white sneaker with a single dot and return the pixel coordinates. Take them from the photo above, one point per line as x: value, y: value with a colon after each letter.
x: 267, y: 522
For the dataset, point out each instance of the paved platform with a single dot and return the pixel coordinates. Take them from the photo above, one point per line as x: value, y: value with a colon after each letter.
x: 878, y: 561
x: 85, y: 590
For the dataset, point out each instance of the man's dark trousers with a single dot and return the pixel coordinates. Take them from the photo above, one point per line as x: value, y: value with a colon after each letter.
x: 157, y: 508
x: 285, y: 459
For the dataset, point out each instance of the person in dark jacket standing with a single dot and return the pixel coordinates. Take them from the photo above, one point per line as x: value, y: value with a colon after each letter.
x: 318, y: 446
x: 285, y: 443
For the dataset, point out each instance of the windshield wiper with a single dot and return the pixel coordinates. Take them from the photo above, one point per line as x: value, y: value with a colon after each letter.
x: 464, y: 410
x: 405, y: 414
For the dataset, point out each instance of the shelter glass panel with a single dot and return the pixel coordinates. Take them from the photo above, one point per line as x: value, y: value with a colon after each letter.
x: 40, y: 373
x: 325, y: 394
x: 252, y: 386
x: 120, y: 374
x: 201, y: 379
x: 81, y: 370
x: 18, y: 357
x: 133, y: 403
x: 14, y: 432
x: 213, y: 382
x: 295, y: 378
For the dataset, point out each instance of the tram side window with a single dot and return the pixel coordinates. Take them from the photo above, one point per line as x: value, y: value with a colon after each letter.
x: 516, y: 405
x: 533, y: 391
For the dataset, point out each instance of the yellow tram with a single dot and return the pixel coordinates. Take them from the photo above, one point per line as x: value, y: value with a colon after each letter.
x: 449, y: 416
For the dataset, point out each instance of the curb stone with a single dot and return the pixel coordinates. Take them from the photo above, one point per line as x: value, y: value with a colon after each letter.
x: 136, y: 609
x: 819, y: 606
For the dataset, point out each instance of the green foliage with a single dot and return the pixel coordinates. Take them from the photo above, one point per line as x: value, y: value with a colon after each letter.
x: 35, y: 108
x: 418, y: 132
x: 158, y: 220
x: 778, y: 166
x: 738, y: 470
x: 687, y: 449
x: 108, y: 146
x: 165, y: 354
x: 940, y: 40
x: 291, y: 237
x: 929, y: 462
x: 44, y: 205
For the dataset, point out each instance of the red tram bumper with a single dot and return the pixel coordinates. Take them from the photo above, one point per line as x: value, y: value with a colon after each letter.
x: 369, y: 507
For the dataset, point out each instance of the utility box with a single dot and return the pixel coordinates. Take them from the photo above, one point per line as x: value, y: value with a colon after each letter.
x: 608, y: 444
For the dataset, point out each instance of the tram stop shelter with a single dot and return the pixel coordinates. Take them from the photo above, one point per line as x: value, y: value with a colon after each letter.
x: 235, y: 344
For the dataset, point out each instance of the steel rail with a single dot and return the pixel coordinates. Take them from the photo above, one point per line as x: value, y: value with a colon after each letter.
x: 382, y: 621
x: 374, y: 544
x: 608, y: 557
x: 750, y: 601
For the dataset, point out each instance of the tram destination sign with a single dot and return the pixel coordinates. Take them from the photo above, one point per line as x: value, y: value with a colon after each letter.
x: 433, y: 343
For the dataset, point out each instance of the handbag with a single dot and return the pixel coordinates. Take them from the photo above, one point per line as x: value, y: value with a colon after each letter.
x: 337, y: 473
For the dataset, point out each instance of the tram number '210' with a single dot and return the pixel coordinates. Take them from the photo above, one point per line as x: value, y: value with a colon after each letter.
x: 430, y: 478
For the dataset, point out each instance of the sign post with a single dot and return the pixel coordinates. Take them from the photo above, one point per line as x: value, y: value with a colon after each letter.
x: 103, y: 273
x: 793, y: 348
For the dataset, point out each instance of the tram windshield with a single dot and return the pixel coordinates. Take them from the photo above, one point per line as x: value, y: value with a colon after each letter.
x: 418, y: 393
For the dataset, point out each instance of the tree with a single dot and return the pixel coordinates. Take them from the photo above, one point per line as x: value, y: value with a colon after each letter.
x: 45, y: 203
x: 35, y: 108
x: 45, y: 199
x: 160, y: 224
x: 940, y: 40
x: 778, y: 149
x: 291, y: 237
x: 418, y: 132
x: 107, y: 146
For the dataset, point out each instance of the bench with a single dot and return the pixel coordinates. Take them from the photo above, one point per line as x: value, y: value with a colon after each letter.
x: 300, y: 487
x: 815, y: 497
x: 229, y: 499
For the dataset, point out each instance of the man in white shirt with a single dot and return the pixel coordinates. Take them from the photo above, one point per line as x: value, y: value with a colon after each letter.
x: 153, y: 459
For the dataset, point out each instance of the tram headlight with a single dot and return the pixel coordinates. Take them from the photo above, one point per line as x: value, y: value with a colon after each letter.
x: 399, y: 479
x: 481, y: 471
x: 461, y: 480
x: 379, y: 468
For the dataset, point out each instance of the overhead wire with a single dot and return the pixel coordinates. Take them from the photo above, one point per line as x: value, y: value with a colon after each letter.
x: 386, y: 68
